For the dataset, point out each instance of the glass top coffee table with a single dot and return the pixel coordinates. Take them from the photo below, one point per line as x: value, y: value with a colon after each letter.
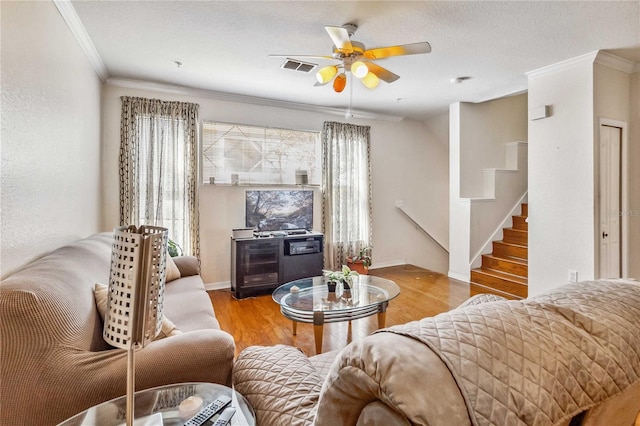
x: 309, y: 300
x: 162, y: 405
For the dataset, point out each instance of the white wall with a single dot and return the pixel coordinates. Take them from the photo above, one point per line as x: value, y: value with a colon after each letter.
x: 485, y: 128
x: 50, y: 135
x: 406, y: 164
x: 634, y: 176
x: 561, y: 177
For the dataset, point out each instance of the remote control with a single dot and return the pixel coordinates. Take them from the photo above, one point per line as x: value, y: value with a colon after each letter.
x: 225, y: 417
x: 209, y: 411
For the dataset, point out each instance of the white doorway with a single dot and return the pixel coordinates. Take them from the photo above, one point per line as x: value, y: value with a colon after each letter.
x: 611, y: 211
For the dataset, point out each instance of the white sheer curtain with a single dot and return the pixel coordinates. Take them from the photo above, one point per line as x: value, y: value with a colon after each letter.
x: 158, y: 168
x: 346, y: 186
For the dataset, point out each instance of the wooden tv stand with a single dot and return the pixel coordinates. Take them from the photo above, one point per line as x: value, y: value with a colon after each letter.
x: 260, y: 264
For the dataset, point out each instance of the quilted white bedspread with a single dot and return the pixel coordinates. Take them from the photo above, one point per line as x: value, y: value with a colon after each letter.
x: 539, y: 361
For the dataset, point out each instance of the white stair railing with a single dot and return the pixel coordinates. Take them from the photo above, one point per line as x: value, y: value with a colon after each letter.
x: 421, y: 228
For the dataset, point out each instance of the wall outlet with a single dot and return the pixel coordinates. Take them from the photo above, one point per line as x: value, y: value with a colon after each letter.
x: 399, y: 203
x: 573, y: 276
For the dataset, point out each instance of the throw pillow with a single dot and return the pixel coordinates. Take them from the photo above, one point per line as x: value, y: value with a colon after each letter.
x: 173, y: 273
x: 101, y: 292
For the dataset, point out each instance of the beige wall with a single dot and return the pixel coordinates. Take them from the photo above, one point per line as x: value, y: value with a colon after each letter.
x: 50, y: 135
x: 408, y: 163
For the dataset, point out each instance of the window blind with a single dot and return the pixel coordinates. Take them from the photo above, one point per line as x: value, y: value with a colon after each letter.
x: 259, y: 155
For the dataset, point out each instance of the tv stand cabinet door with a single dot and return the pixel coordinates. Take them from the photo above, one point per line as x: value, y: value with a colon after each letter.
x: 256, y: 266
x: 301, y: 266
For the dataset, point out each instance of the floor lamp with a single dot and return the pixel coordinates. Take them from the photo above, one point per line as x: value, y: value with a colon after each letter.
x: 136, y: 294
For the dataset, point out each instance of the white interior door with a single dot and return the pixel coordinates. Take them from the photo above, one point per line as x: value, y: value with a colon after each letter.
x: 610, y: 207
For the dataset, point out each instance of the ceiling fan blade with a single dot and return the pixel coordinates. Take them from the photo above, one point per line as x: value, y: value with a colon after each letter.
x: 302, y: 56
x: 382, y: 73
x: 405, y: 49
x: 340, y: 38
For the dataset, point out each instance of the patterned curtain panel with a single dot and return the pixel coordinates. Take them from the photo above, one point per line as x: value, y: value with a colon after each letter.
x: 346, y: 202
x: 158, y: 168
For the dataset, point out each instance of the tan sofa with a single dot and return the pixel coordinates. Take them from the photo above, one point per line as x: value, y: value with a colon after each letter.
x: 55, y: 362
x: 568, y: 357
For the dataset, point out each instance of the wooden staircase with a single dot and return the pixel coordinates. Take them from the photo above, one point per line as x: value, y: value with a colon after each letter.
x: 505, y: 270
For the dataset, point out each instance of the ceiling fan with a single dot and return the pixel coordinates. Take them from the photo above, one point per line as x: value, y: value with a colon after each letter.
x: 354, y: 58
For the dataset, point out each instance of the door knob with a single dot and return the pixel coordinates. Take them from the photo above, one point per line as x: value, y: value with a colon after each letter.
x: 604, y: 234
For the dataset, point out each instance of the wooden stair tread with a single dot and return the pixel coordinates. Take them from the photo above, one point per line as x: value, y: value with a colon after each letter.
x: 513, y: 259
x: 524, y: 231
x: 511, y: 244
x: 502, y: 275
x: 476, y: 288
x: 515, y: 236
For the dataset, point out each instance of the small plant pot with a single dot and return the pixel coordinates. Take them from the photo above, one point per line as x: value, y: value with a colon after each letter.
x: 346, y: 285
x: 331, y: 286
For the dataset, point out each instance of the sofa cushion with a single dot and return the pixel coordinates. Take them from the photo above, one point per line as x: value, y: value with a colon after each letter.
x: 172, y: 271
x: 188, y: 309
x: 280, y: 384
x: 188, y: 265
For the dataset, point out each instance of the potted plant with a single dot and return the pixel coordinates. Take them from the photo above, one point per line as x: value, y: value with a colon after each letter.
x: 344, y: 276
x: 173, y: 248
x: 361, y: 261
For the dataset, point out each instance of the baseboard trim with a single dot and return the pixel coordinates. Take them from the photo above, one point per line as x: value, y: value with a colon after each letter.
x: 218, y: 286
x: 459, y: 277
x: 379, y: 265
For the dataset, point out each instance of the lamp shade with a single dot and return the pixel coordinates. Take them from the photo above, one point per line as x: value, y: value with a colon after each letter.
x: 359, y: 69
x: 340, y: 82
x: 325, y: 74
x: 371, y: 80
x: 136, y: 286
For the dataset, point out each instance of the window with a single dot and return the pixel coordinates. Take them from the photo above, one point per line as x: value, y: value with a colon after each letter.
x: 158, y: 168
x: 259, y: 155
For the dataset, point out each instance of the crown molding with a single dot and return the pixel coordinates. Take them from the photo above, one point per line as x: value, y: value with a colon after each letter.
x: 72, y: 19
x: 559, y: 66
x: 598, y: 57
x: 612, y: 61
x: 514, y: 91
x: 254, y: 100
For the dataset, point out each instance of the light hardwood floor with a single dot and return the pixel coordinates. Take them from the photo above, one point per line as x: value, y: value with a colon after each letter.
x: 258, y: 321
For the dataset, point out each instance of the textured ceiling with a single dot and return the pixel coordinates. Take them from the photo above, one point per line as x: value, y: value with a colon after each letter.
x: 224, y: 45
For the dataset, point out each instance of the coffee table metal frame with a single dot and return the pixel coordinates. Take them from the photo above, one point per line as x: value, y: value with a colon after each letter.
x: 384, y: 289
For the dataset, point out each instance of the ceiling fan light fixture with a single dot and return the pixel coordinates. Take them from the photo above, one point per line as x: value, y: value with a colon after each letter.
x: 370, y: 80
x: 359, y: 69
x: 325, y: 74
x: 340, y: 82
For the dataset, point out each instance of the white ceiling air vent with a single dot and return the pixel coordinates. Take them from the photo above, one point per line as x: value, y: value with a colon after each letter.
x: 295, y: 65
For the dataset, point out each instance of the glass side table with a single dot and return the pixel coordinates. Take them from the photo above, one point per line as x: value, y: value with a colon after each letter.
x: 161, y: 404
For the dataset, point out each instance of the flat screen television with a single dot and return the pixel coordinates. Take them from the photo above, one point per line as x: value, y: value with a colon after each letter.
x: 279, y: 210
